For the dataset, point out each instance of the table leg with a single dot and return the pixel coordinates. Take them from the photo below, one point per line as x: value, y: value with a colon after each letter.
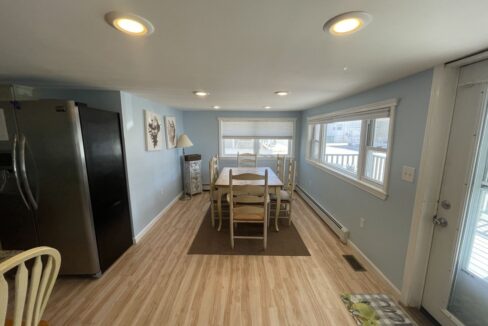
x: 219, y: 207
x: 278, y: 206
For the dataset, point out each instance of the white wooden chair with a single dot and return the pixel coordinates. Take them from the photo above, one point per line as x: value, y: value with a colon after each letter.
x: 288, y: 190
x: 31, y: 296
x: 249, y: 203
x: 246, y: 160
x: 213, y: 167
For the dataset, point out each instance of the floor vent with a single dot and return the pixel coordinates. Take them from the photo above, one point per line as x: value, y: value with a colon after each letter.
x: 354, y: 263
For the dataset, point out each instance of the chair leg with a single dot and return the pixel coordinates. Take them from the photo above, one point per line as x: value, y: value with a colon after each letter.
x: 212, y: 212
x: 265, y: 235
x: 231, y: 227
x: 289, y: 213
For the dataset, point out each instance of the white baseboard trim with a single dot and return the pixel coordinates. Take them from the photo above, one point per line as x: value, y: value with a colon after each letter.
x: 156, y: 218
x: 365, y: 260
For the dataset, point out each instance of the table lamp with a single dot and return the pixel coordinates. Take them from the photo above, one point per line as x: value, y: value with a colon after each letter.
x: 184, y: 142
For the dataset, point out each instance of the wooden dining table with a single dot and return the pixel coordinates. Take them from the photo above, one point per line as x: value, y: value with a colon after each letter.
x: 274, y: 186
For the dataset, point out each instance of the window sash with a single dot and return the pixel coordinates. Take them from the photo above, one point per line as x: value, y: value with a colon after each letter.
x: 256, y: 147
x: 385, y: 109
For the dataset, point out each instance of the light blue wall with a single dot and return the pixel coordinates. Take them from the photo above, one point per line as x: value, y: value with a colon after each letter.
x: 384, y: 238
x: 203, y: 129
x: 154, y: 177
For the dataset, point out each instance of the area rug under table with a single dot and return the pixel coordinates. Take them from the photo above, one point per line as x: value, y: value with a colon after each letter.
x: 286, y: 242
x: 375, y: 309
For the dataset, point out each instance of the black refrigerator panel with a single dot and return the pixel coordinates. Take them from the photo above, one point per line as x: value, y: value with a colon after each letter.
x: 18, y: 225
x: 53, y: 175
x: 105, y: 163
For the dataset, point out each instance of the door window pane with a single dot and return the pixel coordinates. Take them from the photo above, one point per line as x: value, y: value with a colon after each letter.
x: 469, y: 295
x: 342, y: 143
x: 274, y: 146
x: 234, y: 146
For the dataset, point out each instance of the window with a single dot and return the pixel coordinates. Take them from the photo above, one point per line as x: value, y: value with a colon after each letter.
x: 354, y: 144
x: 264, y: 137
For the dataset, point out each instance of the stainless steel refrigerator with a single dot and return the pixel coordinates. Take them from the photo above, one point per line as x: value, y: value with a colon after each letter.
x: 63, y: 183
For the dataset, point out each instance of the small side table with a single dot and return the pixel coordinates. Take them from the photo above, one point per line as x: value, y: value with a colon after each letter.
x: 192, y: 174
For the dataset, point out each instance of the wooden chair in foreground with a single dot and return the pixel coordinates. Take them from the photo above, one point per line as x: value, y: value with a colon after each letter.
x: 246, y: 160
x: 31, y: 296
x: 213, y: 167
x: 288, y: 190
x: 248, y: 203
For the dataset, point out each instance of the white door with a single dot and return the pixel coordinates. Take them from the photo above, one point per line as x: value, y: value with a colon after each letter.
x: 456, y: 288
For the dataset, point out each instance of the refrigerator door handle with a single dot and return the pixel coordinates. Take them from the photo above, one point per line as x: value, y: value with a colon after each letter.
x: 16, y: 170
x: 23, y: 173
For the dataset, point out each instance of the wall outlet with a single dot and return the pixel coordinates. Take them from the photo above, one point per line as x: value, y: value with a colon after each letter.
x: 361, y: 222
x: 408, y: 173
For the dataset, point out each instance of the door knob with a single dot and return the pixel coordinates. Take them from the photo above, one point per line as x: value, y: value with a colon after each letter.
x: 441, y: 221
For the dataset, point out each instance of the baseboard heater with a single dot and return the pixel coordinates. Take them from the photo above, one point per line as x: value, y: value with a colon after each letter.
x: 339, y: 229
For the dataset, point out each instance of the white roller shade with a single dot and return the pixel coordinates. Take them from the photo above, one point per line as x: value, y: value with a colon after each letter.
x: 257, y: 129
x: 372, y: 111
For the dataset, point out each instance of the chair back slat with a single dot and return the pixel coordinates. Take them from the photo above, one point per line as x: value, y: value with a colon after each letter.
x: 20, y: 293
x: 43, y: 289
x: 290, y: 184
x: 213, y: 168
x: 248, y: 176
x: 33, y: 288
x: 3, y: 299
x: 36, y: 292
x: 280, y: 167
x: 246, y: 160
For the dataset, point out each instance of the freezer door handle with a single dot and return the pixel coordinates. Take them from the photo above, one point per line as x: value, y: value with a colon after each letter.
x: 16, y: 170
x: 23, y: 172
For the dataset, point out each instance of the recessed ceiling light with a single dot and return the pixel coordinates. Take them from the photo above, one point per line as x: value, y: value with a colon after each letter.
x: 267, y: 107
x: 347, y: 23
x: 216, y: 107
x: 129, y: 23
x: 345, y: 68
x: 281, y: 93
x: 201, y: 93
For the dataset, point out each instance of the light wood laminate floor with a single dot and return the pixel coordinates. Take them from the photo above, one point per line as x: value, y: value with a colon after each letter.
x: 157, y: 283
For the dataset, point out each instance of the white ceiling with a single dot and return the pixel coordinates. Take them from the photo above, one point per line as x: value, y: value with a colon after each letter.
x: 241, y: 51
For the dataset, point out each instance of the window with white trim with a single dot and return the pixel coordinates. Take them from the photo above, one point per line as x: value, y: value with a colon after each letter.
x: 355, y: 144
x: 263, y: 137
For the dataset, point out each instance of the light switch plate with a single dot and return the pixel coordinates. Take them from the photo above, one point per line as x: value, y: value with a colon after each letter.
x: 408, y: 173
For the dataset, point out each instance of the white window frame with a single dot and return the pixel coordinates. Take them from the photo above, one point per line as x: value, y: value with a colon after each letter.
x: 291, y: 148
x: 359, y: 180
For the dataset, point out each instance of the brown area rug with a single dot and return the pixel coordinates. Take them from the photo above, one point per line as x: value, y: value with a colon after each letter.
x: 209, y: 241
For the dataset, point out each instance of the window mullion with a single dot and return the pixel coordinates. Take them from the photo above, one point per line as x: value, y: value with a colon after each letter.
x: 362, y: 148
x: 323, y: 131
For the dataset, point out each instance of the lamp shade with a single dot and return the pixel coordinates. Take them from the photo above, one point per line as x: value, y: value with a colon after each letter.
x: 184, y: 141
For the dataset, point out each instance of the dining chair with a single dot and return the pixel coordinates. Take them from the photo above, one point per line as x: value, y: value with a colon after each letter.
x: 248, y: 203
x: 246, y: 160
x: 213, y: 167
x: 288, y: 190
x: 280, y: 166
x: 32, y: 291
